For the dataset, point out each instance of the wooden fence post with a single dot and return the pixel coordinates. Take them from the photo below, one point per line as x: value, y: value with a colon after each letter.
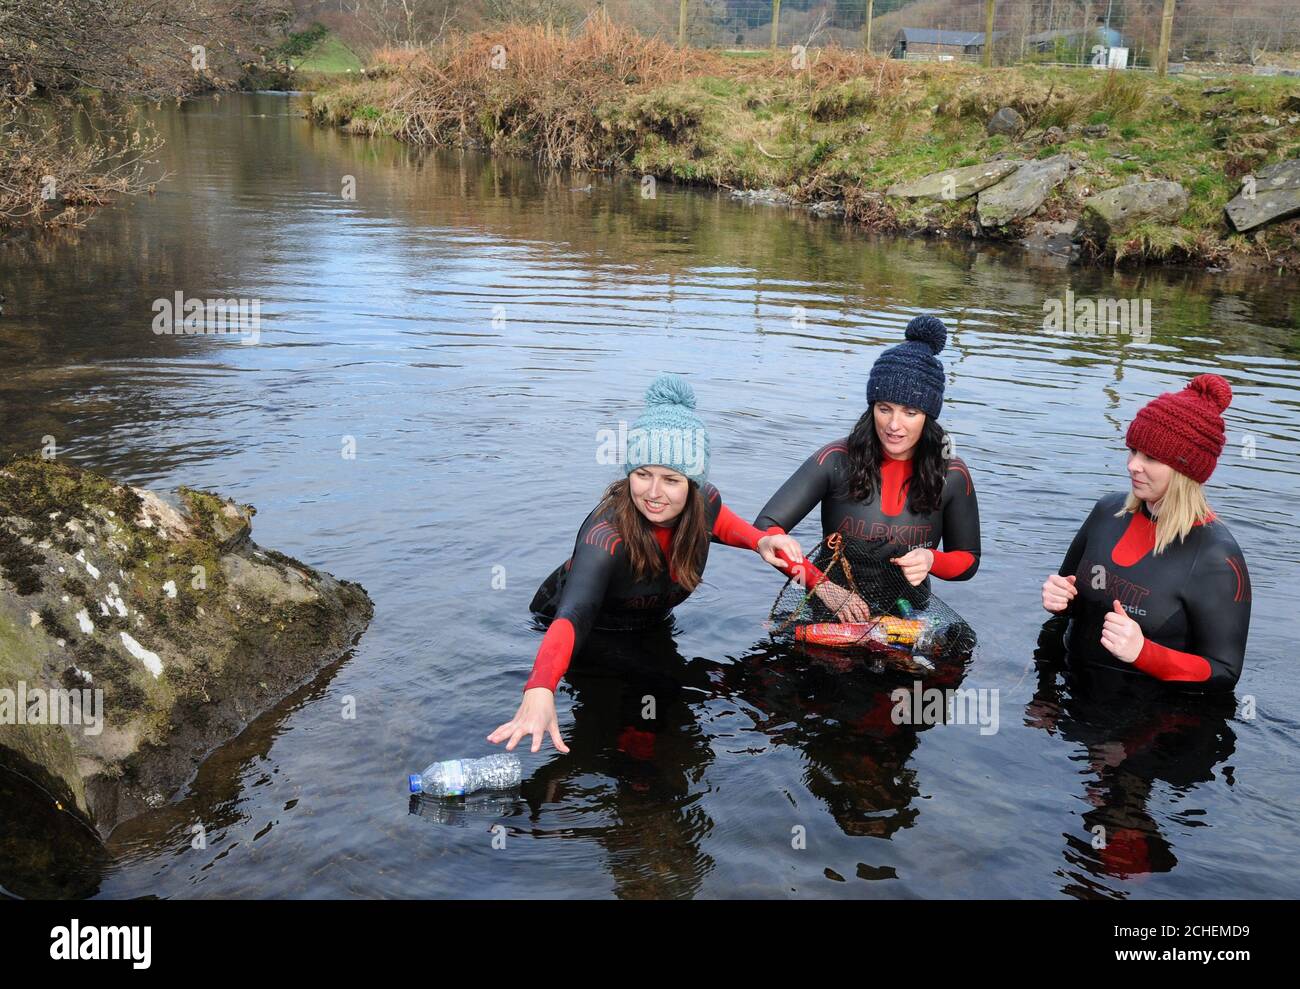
x: 1166, y: 32
x: 988, y: 34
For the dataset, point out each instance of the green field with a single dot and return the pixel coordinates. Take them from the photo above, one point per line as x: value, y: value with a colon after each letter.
x: 330, y: 55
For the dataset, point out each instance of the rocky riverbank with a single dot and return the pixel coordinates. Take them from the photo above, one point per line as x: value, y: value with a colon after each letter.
x: 138, y: 631
x: 1042, y: 156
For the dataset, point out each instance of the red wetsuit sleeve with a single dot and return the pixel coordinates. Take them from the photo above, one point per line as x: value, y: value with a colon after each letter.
x: 805, y: 572
x: 960, y: 557
x: 731, y: 529
x: 553, y: 656
x: 597, y: 555
x: 1217, y: 599
x: 951, y: 564
x: 1164, y: 663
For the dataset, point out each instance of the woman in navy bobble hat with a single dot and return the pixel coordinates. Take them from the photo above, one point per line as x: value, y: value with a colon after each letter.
x: 892, y: 479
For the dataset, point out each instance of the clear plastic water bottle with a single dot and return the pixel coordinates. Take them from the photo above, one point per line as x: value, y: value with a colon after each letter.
x: 457, y: 777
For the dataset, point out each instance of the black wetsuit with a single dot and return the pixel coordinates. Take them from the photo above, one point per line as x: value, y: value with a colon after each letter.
x: 597, y: 588
x: 888, y: 516
x: 1192, y: 601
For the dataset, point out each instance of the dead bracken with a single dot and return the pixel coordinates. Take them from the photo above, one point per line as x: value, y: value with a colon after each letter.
x: 837, y: 132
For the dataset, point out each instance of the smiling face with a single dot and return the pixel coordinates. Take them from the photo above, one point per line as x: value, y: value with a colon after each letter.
x: 899, y: 428
x: 1150, y: 478
x: 658, y: 493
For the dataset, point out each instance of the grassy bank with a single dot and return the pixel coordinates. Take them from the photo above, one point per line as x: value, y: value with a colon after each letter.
x: 843, y: 128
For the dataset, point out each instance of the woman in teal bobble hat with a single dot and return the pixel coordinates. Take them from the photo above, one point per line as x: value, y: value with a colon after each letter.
x: 639, y: 553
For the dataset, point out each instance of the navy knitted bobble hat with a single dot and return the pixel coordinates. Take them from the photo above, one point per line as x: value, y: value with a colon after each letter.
x: 910, y: 374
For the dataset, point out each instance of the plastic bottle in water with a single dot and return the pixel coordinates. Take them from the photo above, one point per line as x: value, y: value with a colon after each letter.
x: 457, y: 777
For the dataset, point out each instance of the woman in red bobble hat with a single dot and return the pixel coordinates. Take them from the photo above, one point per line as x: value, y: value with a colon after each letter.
x: 1153, y: 583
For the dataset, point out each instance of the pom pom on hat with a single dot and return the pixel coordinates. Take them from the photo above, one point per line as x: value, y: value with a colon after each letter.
x: 670, y: 389
x: 928, y: 330
x: 1213, y: 389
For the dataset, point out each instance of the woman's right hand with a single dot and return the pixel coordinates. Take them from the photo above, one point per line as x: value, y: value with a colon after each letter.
x: 1058, y: 592
x: 848, y: 607
x: 536, y: 717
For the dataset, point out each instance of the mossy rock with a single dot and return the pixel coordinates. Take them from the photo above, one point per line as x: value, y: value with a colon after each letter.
x: 165, y: 606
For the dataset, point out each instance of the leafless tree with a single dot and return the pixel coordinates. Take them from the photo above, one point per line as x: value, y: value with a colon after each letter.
x: 552, y: 12
x: 404, y: 23
x: 120, y: 50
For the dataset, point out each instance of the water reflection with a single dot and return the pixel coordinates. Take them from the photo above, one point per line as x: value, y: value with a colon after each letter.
x: 1129, y: 735
x: 839, y: 712
x: 637, y: 760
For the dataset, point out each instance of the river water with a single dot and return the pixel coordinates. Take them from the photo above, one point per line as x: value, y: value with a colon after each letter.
x: 464, y: 327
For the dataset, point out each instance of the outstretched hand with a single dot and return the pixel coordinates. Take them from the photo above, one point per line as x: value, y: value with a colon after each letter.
x: 536, y: 717
x: 847, y: 605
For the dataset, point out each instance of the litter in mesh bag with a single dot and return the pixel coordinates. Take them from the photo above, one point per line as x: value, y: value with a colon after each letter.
x: 910, y: 627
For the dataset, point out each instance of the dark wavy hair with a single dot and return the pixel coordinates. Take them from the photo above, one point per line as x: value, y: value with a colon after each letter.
x: 929, y: 466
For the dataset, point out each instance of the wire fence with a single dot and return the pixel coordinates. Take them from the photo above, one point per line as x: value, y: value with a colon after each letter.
x: 1261, y: 35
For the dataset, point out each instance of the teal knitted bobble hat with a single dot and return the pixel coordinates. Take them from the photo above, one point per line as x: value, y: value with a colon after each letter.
x: 669, y: 433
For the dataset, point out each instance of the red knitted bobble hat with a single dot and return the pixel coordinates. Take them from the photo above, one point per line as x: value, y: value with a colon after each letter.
x: 1184, y: 429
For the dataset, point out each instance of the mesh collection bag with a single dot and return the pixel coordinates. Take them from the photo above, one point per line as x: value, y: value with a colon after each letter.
x: 910, y: 628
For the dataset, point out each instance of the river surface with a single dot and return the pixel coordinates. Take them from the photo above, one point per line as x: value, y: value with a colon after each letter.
x: 464, y: 327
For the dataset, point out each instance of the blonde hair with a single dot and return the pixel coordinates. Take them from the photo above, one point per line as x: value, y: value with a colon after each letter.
x: 1182, y: 507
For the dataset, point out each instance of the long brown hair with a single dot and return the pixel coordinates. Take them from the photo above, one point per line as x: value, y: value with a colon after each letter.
x: 690, y: 535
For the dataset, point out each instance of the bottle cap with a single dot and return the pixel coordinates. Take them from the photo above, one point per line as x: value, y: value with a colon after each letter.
x: 904, y: 607
x: 414, y: 782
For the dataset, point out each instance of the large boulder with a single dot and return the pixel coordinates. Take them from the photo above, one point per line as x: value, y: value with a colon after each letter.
x: 1022, y: 192
x: 954, y: 183
x: 1273, y: 195
x: 1006, y: 121
x: 1116, y: 211
x: 138, y: 632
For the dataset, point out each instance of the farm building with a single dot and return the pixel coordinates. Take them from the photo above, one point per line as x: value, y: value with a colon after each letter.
x: 923, y: 42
